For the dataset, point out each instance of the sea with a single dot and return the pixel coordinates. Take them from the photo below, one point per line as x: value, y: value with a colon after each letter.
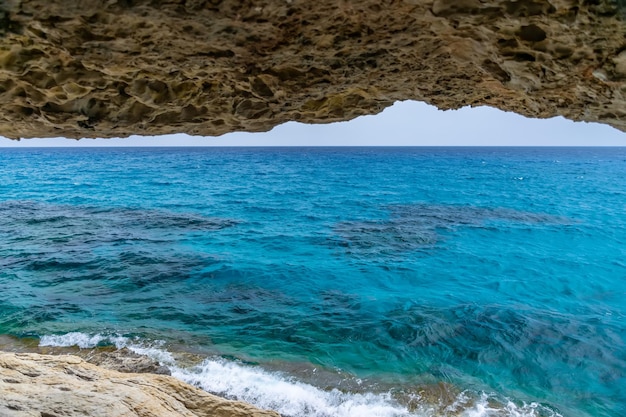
x: 332, y: 282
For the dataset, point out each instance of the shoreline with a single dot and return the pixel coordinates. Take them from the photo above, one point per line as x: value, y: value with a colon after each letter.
x: 103, y: 382
x: 102, y: 375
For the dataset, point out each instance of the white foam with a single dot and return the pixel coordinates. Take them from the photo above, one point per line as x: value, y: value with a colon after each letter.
x: 153, y: 350
x: 482, y: 409
x: 290, y: 397
x: 82, y: 340
x: 293, y: 398
x: 285, y: 395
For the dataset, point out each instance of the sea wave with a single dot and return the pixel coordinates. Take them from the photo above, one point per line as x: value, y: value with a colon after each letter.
x: 153, y: 350
x: 290, y: 397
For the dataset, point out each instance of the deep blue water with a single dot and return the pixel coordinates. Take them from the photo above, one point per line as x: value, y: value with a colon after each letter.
x: 333, y: 281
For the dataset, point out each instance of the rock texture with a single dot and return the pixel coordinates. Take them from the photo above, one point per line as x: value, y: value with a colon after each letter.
x: 105, y: 68
x: 53, y: 386
x: 124, y: 360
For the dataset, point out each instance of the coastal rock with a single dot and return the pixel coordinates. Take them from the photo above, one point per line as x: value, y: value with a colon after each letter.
x: 121, y: 360
x: 46, y: 386
x: 107, y: 68
x: 124, y: 360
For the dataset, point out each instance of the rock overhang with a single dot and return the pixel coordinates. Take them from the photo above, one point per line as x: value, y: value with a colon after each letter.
x: 111, y: 68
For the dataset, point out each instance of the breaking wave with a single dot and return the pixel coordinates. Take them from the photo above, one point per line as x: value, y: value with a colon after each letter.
x: 291, y: 397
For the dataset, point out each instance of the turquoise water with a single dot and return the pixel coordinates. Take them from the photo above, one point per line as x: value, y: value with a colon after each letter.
x: 333, y: 282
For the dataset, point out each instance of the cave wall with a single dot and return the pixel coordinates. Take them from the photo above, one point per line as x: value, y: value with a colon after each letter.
x: 111, y: 68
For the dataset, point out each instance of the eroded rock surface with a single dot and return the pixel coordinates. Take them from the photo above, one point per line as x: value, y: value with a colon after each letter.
x: 105, y: 68
x: 46, y: 386
x: 124, y: 360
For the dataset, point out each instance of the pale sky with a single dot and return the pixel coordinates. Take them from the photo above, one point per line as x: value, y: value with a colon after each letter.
x: 406, y: 123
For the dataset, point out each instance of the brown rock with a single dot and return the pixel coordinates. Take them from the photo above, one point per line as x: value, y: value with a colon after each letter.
x: 100, y: 68
x: 44, y: 386
x: 124, y: 360
x: 620, y: 64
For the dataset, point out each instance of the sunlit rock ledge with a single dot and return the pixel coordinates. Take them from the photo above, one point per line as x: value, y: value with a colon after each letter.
x: 47, y: 386
x: 112, y: 68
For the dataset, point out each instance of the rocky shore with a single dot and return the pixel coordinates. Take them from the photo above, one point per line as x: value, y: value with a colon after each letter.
x: 109, y: 384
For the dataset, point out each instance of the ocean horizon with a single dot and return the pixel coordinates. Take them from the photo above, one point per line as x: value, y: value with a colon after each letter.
x: 331, y: 281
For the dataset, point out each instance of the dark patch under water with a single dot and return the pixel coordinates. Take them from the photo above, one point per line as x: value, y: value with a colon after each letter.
x: 420, y: 226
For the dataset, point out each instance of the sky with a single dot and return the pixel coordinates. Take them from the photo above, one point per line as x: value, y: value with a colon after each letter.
x: 407, y: 123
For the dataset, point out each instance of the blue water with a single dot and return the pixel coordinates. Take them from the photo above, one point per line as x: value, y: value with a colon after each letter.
x: 333, y: 281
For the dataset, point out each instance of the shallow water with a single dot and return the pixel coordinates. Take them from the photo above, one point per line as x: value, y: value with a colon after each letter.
x: 333, y: 282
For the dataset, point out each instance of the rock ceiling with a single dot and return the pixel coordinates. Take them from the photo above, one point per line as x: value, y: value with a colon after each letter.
x: 110, y: 68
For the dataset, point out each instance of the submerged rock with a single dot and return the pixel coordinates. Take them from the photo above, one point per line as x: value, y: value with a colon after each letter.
x: 47, y: 386
x: 124, y: 360
x: 100, y: 68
